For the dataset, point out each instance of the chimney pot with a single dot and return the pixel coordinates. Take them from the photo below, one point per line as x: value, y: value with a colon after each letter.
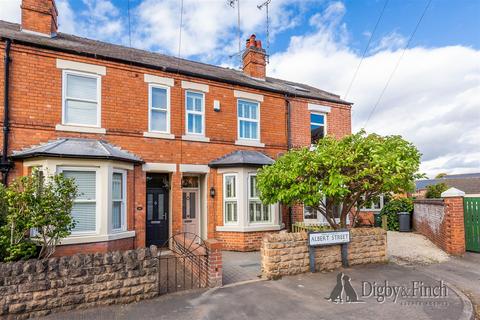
x: 254, y: 61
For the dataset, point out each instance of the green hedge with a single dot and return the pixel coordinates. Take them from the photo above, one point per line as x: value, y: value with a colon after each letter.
x: 392, y: 208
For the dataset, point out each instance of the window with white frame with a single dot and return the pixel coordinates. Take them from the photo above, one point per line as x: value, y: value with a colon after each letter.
x: 81, y: 99
x: 257, y: 211
x: 84, y: 211
x: 195, y: 106
x: 118, y: 200
x: 159, y: 109
x: 314, y: 216
x: 374, y: 204
x: 230, y: 201
x: 248, y: 120
x: 317, y: 127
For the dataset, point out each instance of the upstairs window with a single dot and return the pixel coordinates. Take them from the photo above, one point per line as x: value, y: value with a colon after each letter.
x: 317, y: 127
x: 230, y: 201
x: 248, y: 120
x: 159, y: 109
x: 81, y: 99
x: 195, y: 103
x: 257, y: 211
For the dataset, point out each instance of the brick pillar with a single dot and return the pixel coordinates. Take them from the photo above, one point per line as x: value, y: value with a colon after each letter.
x: 453, y: 221
x: 214, y: 251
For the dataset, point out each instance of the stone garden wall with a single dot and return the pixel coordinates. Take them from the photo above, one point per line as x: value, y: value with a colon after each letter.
x: 287, y: 253
x: 35, y: 288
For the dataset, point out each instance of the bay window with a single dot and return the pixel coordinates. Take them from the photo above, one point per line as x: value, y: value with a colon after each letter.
x: 118, y: 200
x: 230, y: 198
x: 84, y: 211
x: 257, y: 211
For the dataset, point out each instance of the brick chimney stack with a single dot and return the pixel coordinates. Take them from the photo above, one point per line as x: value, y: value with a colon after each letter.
x: 40, y: 17
x: 254, y: 58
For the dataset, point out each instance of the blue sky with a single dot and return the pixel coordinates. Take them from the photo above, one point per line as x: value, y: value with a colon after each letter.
x: 446, y: 22
x: 433, y: 98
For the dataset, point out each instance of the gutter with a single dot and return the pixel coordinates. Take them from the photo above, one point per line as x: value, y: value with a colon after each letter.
x: 5, y: 164
x: 173, y: 70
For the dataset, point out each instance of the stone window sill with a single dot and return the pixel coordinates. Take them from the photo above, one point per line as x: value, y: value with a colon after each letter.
x: 159, y: 135
x: 97, y: 238
x: 251, y: 228
x: 249, y: 143
x: 61, y: 127
x: 195, y: 138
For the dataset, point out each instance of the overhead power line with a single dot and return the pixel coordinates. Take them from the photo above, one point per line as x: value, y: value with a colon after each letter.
x: 398, y: 63
x: 366, y: 50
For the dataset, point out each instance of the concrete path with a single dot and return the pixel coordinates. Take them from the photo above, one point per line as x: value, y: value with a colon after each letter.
x: 408, y: 248
x: 299, y: 297
x: 240, y: 266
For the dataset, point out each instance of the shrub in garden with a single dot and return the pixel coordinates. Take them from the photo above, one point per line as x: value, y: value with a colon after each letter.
x: 434, y: 191
x: 38, y: 215
x: 392, y: 208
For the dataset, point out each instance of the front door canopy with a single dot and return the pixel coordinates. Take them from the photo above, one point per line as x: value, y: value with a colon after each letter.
x: 242, y: 158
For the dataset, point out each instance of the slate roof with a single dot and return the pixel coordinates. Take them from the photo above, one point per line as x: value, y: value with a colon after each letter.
x: 78, y: 148
x: 470, y: 184
x: 242, y: 158
x: 102, y: 50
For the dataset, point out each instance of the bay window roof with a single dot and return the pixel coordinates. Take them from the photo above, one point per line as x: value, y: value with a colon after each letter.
x: 241, y: 158
x: 78, y: 148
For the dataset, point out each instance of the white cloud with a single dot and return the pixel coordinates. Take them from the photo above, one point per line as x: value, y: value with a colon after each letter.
x: 390, y: 42
x: 10, y: 10
x: 209, y: 27
x: 433, y: 99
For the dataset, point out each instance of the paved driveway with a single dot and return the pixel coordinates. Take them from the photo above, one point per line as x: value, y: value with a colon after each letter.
x: 240, y: 266
x: 297, y: 297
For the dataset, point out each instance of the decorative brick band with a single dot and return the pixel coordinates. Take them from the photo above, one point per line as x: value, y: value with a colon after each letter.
x: 287, y: 253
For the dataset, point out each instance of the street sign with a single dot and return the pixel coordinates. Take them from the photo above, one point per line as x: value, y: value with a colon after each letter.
x: 326, y: 238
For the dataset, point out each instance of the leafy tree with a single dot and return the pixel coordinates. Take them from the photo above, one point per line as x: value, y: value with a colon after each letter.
x: 440, y: 175
x: 40, y: 206
x: 392, y: 208
x: 350, y: 172
x: 435, y: 190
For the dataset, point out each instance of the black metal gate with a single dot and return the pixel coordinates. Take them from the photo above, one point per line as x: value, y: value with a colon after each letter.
x: 182, y: 263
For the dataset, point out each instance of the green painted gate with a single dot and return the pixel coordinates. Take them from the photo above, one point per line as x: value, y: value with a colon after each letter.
x: 471, y: 209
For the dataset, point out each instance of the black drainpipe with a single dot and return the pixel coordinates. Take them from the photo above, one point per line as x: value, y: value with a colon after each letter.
x: 289, y: 146
x: 6, y: 165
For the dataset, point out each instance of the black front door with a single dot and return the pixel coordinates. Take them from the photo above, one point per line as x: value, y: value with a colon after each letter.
x: 157, y: 216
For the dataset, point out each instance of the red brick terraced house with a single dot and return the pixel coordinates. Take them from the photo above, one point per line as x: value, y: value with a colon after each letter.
x: 157, y: 145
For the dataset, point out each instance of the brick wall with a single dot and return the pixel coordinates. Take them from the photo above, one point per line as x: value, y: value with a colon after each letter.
x: 441, y: 220
x: 36, y: 108
x: 242, y: 241
x: 288, y: 254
